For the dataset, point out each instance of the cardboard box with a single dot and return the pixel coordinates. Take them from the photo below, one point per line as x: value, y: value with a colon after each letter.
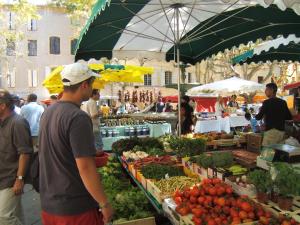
x: 202, y: 172
x: 145, y: 221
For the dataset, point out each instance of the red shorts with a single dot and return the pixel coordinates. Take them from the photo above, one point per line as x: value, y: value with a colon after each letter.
x: 91, y: 217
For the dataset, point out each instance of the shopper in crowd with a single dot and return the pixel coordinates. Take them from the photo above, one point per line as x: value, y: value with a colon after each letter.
x: 192, y: 103
x: 159, y: 106
x: 53, y: 99
x: 92, y: 109
x: 274, y: 111
x: 16, y: 100
x: 186, y: 101
x: 253, y: 122
x: 219, y: 106
x: 32, y: 112
x: 186, y: 119
x: 22, y: 102
x: 70, y: 187
x: 233, y: 102
x: 168, y: 107
x: 15, y: 150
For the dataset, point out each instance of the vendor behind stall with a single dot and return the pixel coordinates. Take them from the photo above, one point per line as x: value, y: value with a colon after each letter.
x: 233, y: 102
x: 274, y: 111
x: 219, y: 106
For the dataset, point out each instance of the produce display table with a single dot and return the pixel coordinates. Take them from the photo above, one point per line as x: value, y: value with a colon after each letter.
x: 156, y: 130
x: 238, y: 121
x: 220, y: 124
x: 152, y: 200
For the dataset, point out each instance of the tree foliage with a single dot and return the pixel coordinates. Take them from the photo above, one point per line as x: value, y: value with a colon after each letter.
x: 78, y: 11
x: 21, y: 12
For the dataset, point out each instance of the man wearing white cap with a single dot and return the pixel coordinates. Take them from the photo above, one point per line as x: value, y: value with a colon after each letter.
x: 70, y: 187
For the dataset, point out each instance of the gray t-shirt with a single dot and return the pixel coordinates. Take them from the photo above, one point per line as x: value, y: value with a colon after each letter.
x: 15, y: 139
x: 66, y: 133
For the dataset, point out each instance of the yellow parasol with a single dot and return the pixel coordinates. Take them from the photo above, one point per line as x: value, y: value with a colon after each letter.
x: 131, y: 74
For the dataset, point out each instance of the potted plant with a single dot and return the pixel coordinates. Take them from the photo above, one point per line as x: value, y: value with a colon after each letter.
x: 287, y: 184
x: 263, y: 183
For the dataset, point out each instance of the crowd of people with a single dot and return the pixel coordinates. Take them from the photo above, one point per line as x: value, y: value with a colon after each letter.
x: 70, y: 189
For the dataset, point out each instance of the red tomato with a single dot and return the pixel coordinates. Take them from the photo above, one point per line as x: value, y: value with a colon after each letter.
x: 197, y: 221
x: 220, y: 191
x: 221, y: 201
x: 234, y: 213
x: 211, y: 222
x: 216, y: 181
x: 264, y: 220
x: 187, y: 193
x: 209, y: 199
x: 178, y: 200
x: 246, y: 207
x: 226, y: 210
x: 201, y: 200
x: 193, y: 199
x: 218, y: 220
x: 229, y: 190
x: 243, y: 215
x: 251, y: 215
x: 236, y: 220
x: 212, y: 191
x: 197, y: 212
x: 195, y: 192
x: 183, y: 211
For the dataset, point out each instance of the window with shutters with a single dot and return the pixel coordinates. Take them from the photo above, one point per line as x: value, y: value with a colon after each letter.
x: 32, y: 47
x: 11, y: 20
x: 73, y: 46
x: 11, y: 79
x: 260, y: 79
x: 147, y: 80
x: 10, y: 48
x: 55, y: 45
x: 168, y: 77
x: 32, y: 24
x: 32, y: 78
x: 190, y: 78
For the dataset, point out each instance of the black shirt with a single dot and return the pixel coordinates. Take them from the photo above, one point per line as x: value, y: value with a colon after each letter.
x: 66, y: 133
x: 275, y: 112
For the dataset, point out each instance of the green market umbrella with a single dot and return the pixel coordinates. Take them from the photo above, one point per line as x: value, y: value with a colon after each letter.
x: 169, y: 27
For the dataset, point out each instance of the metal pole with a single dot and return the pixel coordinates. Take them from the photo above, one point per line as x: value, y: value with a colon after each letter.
x: 178, y: 65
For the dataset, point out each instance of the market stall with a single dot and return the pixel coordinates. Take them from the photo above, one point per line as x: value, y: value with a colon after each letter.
x: 190, y: 183
x: 120, y: 127
x: 219, y: 124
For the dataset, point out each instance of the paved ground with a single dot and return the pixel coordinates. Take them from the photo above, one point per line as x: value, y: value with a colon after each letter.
x: 31, y: 205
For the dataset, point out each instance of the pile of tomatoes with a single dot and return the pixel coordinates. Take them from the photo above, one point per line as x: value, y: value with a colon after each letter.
x: 213, y: 203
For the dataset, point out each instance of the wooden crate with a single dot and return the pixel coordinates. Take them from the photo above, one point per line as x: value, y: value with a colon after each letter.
x: 155, y: 192
x: 249, y: 191
x: 187, y: 220
x: 145, y: 221
x: 132, y: 170
x: 141, y: 179
x: 254, y: 142
x: 274, y: 209
x: 171, y: 214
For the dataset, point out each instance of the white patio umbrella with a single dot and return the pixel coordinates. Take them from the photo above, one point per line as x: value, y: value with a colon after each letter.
x: 233, y: 85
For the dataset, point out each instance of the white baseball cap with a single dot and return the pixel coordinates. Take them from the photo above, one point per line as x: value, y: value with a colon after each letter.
x: 75, y: 73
